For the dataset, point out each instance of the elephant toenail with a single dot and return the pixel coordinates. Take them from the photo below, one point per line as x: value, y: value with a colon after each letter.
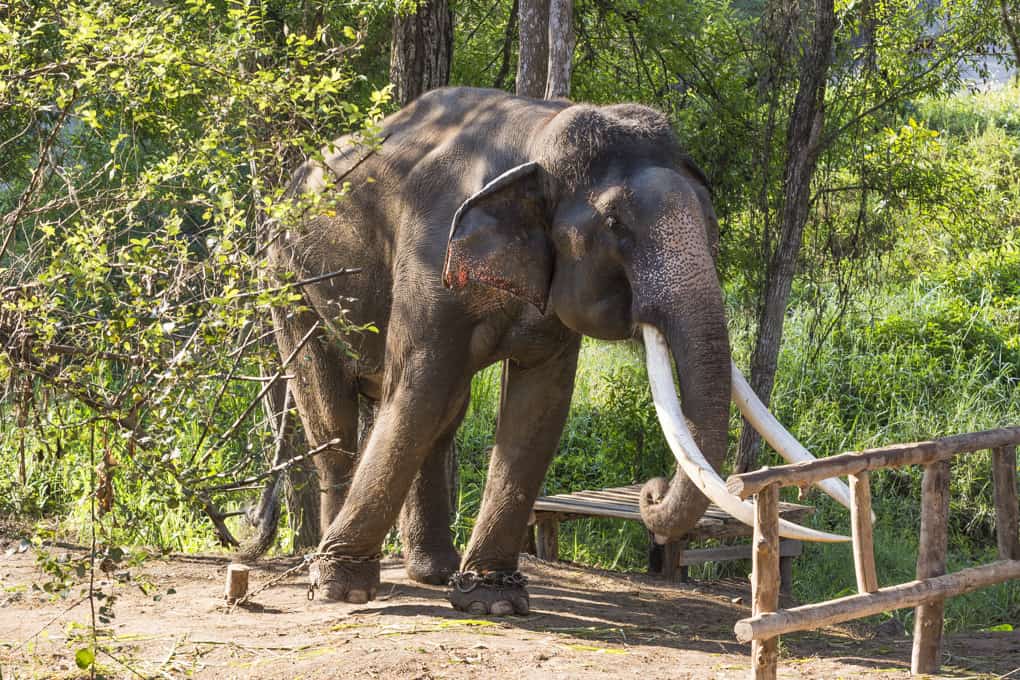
x: 357, y: 596
x: 477, y: 608
x: 502, y: 608
x: 521, y: 605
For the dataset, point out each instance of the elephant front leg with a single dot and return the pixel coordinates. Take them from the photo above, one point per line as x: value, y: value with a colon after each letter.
x: 534, y: 410
x: 408, y: 427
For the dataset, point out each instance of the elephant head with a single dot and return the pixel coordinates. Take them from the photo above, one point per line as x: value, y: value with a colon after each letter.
x: 609, y: 226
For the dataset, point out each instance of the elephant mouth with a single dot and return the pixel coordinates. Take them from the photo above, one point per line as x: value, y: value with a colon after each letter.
x: 693, y: 462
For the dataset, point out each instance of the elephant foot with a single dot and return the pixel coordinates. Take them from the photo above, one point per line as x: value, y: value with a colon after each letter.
x: 345, y: 579
x: 433, y: 567
x: 499, y: 593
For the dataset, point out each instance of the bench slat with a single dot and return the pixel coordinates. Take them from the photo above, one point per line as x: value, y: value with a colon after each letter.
x: 623, y: 503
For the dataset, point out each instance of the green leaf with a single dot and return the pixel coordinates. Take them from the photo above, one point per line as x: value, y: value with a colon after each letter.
x: 84, y: 658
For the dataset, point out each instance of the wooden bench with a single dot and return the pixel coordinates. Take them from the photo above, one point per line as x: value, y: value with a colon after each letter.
x: 669, y: 558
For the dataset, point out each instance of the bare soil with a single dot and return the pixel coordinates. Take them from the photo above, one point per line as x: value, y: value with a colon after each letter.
x: 585, y: 624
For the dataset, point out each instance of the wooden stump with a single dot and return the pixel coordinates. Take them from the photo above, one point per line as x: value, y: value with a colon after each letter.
x: 926, y: 656
x: 237, y: 582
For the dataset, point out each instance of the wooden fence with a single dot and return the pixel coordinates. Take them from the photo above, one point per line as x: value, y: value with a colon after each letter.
x: 933, y: 584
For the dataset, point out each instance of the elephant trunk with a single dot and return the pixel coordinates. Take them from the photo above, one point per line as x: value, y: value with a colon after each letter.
x: 696, y: 334
x: 678, y: 304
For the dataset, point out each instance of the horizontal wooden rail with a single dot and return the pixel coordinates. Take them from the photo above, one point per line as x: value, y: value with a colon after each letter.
x: 728, y: 553
x: 919, y: 453
x: 910, y: 594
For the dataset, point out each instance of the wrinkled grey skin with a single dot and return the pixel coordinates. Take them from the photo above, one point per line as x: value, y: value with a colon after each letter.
x: 611, y: 227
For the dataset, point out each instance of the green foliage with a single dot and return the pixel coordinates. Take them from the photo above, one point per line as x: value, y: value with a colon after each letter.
x: 727, y: 74
x: 148, y: 146
x: 614, y: 416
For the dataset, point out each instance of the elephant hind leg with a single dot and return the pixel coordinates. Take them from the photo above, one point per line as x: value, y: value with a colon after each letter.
x: 326, y: 394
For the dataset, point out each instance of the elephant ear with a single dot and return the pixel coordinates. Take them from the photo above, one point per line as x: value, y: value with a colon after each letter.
x: 498, y: 238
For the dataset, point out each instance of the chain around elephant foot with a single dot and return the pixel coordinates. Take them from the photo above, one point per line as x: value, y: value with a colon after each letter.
x: 343, y: 578
x: 499, y: 593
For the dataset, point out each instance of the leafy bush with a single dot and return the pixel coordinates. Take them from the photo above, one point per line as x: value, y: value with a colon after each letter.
x: 146, y: 150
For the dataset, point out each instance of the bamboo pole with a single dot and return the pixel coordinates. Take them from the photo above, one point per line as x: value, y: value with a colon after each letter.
x: 913, y: 593
x: 918, y: 453
x: 926, y: 656
x: 864, y: 544
x: 1006, y: 523
x: 765, y: 579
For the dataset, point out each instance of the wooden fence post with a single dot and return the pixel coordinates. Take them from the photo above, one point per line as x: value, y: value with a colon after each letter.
x: 1004, y: 478
x: 864, y: 544
x: 765, y: 578
x: 926, y: 656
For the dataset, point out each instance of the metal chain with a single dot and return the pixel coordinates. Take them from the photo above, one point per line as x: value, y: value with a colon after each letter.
x: 334, y: 558
x: 331, y: 557
x: 466, y: 581
x: 305, y: 564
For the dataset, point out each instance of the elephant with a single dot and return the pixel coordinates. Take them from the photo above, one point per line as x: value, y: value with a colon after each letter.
x: 494, y: 228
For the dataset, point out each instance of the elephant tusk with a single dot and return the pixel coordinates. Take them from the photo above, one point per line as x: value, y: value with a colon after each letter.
x: 779, y: 437
x: 690, y: 458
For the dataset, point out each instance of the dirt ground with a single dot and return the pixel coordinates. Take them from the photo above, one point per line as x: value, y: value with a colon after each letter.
x: 170, y: 621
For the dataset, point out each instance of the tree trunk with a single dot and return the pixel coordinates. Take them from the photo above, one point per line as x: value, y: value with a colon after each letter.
x: 508, y: 40
x: 1010, y: 28
x: 561, y: 48
x: 421, y: 51
x: 533, y: 54
x: 802, y: 147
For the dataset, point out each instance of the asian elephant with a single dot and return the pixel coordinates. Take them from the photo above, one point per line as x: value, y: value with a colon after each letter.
x: 489, y: 228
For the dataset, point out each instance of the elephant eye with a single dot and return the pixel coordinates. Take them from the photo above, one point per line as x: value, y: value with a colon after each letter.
x: 621, y: 235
